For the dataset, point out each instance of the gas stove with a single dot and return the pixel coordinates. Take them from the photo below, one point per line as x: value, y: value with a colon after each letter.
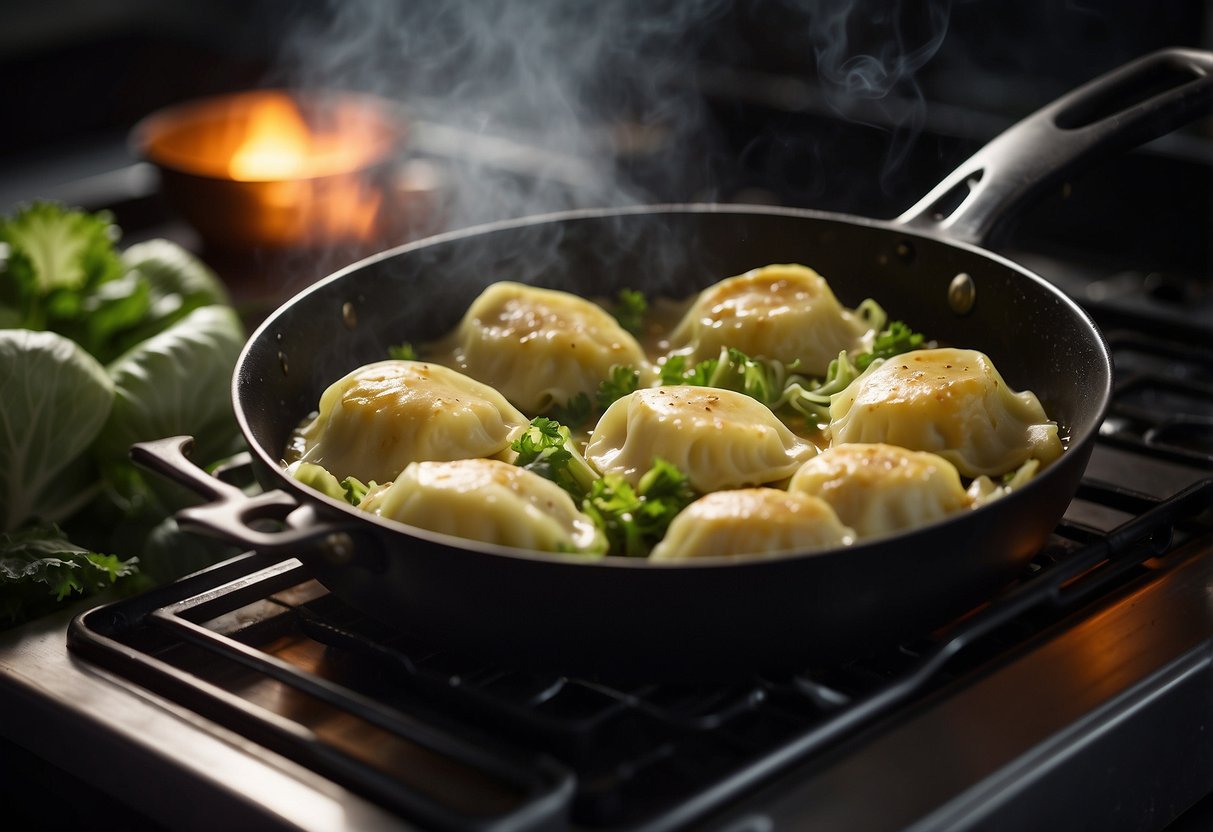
x: 247, y: 696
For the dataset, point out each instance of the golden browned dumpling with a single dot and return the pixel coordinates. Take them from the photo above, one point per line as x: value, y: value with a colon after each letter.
x: 881, y: 489
x: 539, y: 347
x: 783, y: 312
x: 718, y: 438
x: 950, y: 402
x: 490, y: 501
x: 752, y: 521
x: 379, y: 418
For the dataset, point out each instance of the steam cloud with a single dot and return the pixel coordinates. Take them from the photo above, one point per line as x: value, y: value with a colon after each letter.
x: 868, y: 55
x: 505, y: 87
x: 523, y: 99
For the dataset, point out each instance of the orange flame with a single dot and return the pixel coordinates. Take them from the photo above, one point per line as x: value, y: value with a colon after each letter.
x: 308, y: 173
x: 280, y: 168
x: 276, y: 143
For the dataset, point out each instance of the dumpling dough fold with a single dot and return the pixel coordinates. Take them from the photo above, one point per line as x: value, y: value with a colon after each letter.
x: 782, y: 312
x: 539, y: 347
x: 882, y: 489
x: 490, y: 501
x: 752, y: 521
x: 718, y: 438
x: 951, y: 402
x: 383, y: 416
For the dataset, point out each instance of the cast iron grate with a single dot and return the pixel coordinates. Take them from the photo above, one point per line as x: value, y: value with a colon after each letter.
x: 449, y: 742
x: 1163, y: 400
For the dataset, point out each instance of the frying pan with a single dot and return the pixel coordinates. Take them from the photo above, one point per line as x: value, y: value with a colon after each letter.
x: 618, y: 616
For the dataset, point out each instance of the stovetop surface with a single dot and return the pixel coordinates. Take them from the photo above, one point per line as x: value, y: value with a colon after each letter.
x: 1103, y: 649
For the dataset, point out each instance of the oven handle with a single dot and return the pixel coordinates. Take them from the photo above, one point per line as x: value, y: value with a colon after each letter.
x: 241, y: 519
x: 1117, y: 111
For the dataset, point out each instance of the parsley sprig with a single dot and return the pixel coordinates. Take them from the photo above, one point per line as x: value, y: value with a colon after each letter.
x: 621, y: 380
x: 634, y: 520
x: 546, y: 448
x: 630, y: 309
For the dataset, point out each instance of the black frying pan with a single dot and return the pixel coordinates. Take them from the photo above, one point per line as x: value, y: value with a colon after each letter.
x: 713, y: 615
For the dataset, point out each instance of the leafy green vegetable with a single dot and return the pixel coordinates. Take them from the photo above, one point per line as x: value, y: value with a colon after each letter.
x: 546, y: 448
x: 99, y: 349
x: 355, y: 489
x: 402, y: 352
x: 731, y: 370
x: 176, y: 283
x: 38, y: 565
x: 895, y: 340
x: 630, y: 308
x: 623, y: 379
x: 574, y: 412
x: 52, y: 254
x: 63, y: 273
x: 772, y: 383
x: 676, y: 371
x: 177, y: 382
x: 317, y: 477
x: 811, y: 397
x: 350, y: 489
x: 54, y: 400
x: 634, y: 520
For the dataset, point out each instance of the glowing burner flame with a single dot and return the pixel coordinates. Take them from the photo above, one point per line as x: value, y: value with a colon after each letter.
x: 278, y: 170
x: 276, y: 146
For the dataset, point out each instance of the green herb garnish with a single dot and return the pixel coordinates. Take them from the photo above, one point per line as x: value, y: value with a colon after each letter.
x: 630, y: 308
x: 895, y: 340
x: 402, y: 352
x: 545, y: 448
x: 634, y: 520
x: 623, y: 379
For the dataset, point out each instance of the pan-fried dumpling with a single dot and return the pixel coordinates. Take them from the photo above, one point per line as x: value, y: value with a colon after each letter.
x: 752, y: 521
x: 951, y: 402
x: 487, y: 500
x: 379, y: 418
x: 881, y: 489
x: 718, y: 438
x: 539, y: 347
x: 783, y: 312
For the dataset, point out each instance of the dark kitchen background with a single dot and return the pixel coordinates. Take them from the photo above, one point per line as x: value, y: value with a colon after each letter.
x: 521, y: 108
x: 518, y: 107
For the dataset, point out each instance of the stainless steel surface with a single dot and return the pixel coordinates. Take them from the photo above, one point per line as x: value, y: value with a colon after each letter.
x: 100, y: 728
x: 973, y: 758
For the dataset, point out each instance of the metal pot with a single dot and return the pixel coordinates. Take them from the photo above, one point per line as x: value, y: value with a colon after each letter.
x: 278, y: 169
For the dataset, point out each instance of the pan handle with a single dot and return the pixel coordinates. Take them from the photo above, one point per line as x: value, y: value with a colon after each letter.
x: 237, y: 518
x: 1140, y: 101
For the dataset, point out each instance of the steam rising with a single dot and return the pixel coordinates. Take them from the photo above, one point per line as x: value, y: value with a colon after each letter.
x: 533, y: 106
x: 868, y: 55
x: 523, y: 99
